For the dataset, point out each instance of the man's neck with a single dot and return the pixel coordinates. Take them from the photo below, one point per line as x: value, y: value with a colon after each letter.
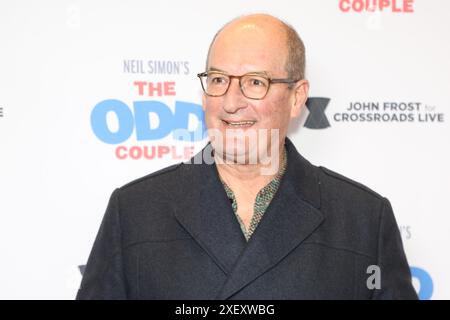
x: 250, y: 177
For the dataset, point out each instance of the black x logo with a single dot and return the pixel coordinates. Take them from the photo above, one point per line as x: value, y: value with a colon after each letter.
x: 317, y: 118
x: 81, y: 268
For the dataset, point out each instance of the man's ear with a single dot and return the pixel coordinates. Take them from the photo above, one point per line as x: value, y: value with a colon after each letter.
x: 300, y: 97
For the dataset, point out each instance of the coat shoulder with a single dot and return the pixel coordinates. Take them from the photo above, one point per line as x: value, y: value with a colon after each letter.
x: 164, y: 173
x: 163, y: 186
x: 340, y: 182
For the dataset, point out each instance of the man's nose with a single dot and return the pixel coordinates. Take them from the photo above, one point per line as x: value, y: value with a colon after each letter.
x: 234, y: 99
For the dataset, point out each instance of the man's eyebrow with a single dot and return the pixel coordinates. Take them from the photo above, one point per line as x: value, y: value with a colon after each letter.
x: 263, y: 73
x: 216, y: 69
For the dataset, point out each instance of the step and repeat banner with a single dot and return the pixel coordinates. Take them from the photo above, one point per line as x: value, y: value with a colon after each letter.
x: 93, y: 92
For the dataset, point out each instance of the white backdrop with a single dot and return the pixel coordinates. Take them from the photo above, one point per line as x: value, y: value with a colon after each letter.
x: 61, y: 150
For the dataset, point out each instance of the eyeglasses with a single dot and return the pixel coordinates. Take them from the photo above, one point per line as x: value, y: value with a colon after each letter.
x: 253, y: 85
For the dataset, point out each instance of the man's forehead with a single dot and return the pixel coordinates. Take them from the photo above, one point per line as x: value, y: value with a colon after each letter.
x: 256, y: 27
x: 247, y: 53
x: 250, y: 43
x: 251, y: 34
x: 255, y: 20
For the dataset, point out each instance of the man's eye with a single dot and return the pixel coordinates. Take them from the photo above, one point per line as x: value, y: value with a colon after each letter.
x: 257, y: 82
x: 218, y: 80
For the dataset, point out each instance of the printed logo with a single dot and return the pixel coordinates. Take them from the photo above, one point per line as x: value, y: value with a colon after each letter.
x: 317, y: 118
x: 405, y: 232
x: 425, y: 282
x: 82, y: 268
x: 396, y: 6
x: 372, y: 112
x: 139, y: 125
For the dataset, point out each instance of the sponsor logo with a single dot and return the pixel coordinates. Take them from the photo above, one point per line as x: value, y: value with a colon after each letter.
x: 389, y: 112
x: 405, y: 232
x: 136, y: 128
x: 140, y: 118
x: 423, y: 279
x: 396, y: 6
x: 82, y: 268
x: 372, y: 112
x: 317, y: 118
x: 165, y: 67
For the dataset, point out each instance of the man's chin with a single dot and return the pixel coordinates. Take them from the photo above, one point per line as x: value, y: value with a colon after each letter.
x: 240, y: 154
x: 233, y: 154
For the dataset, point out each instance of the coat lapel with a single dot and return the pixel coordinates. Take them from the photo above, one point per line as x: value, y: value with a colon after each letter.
x: 208, y: 216
x: 290, y: 218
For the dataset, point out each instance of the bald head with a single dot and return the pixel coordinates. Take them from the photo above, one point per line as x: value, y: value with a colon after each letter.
x: 267, y: 31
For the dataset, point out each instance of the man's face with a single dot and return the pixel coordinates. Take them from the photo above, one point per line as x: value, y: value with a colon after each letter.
x: 242, y: 49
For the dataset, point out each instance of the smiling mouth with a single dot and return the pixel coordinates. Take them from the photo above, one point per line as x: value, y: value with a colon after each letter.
x: 239, y: 124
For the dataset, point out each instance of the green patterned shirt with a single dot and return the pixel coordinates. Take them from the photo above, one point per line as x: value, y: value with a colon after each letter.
x: 262, y: 201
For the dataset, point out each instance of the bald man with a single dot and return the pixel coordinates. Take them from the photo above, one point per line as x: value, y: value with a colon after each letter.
x: 248, y: 217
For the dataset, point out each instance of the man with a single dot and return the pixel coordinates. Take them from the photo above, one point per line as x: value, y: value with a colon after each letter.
x: 242, y: 227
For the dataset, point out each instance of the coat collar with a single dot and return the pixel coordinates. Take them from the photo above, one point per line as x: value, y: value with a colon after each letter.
x: 291, y: 217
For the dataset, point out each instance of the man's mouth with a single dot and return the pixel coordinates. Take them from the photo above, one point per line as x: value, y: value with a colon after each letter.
x: 239, y: 124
